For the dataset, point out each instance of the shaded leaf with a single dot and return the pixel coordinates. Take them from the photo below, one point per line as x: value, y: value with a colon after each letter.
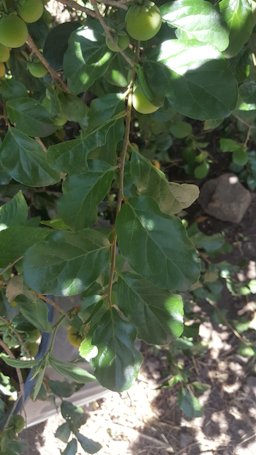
x: 157, y: 314
x: 25, y: 161
x: 14, y: 212
x: 72, y: 371
x: 156, y: 245
x: 73, y: 414
x: 118, y: 361
x: 35, y: 311
x: 88, y: 445
x: 66, y: 263
x: 189, y: 404
x: 63, y: 432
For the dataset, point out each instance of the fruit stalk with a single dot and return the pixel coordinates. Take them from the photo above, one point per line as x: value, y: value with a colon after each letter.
x: 54, y: 75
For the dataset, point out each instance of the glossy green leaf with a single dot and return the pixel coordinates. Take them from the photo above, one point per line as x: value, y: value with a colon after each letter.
x: 71, y: 371
x: 156, y: 245
x: 66, y: 263
x: 118, y: 361
x: 81, y: 196
x: 105, y: 109
x: 35, y: 311
x: 198, y: 20
x: 30, y: 117
x: 17, y: 363
x: 15, y: 240
x: 157, y: 314
x: 88, y: 445
x: 14, y: 212
x: 85, y: 60
x: 25, y: 161
x: 11, y: 88
x: 63, y: 388
x: 239, y: 17
x: 149, y: 181
x: 207, y: 92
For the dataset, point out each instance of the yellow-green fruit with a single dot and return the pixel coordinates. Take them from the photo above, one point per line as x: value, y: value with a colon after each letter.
x: 60, y: 120
x: 13, y: 31
x: 30, y: 10
x: 37, y: 69
x: 119, y: 43
x: 143, y: 22
x: 141, y: 103
x: 2, y: 70
x: 74, y: 338
x: 4, y: 53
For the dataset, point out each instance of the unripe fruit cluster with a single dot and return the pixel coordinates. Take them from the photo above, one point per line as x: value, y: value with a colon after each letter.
x: 13, y: 28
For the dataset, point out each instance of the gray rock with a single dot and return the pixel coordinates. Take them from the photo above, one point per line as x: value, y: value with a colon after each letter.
x: 225, y: 198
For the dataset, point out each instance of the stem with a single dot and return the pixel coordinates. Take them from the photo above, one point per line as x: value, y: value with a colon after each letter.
x: 54, y: 75
x: 74, y: 5
x: 120, y: 195
x: 107, y: 31
x: 116, y: 4
x: 50, y: 302
x: 9, y: 266
x: 16, y: 333
x: 54, y: 333
x: 19, y: 375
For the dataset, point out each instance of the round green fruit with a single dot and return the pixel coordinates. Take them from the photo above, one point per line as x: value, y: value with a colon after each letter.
x: 30, y: 10
x: 141, y: 103
x: 201, y: 171
x: 2, y: 70
x: 36, y: 69
x: 74, y: 338
x: 13, y: 31
x: 143, y: 22
x: 4, y: 53
x: 60, y: 120
x: 119, y: 43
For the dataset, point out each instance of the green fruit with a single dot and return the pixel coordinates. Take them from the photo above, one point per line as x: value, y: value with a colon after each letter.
x: 13, y: 31
x: 119, y: 43
x: 30, y: 10
x: 60, y: 120
x: 141, y: 103
x: 2, y: 70
x: 36, y: 69
x: 143, y: 22
x: 201, y: 171
x: 4, y: 53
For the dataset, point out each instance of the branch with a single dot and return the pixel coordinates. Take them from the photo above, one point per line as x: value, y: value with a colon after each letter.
x: 107, y: 31
x: 50, y: 302
x: 19, y: 375
x: 114, y: 3
x: 54, y: 75
x: 74, y: 5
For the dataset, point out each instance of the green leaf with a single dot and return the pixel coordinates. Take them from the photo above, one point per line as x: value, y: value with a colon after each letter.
x: 229, y: 145
x: 25, y: 161
x: 88, y: 445
x: 197, y: 20
x: 105, y: 109
x: 63, y: 432
x: 189, y: 404
x: 158, y: 315
x: 239, y: 18
x: 30, y: 117
x: 62, y: 388
x: 71, y: 370
x: 181, y: 129
x: 118, y: 361
x: 73, y: 414
x: 81, y: 196
x: 66, y: 263
x: 57, y: 42
x: 211, y: 91
x: 85, y: 60
x: 15, y: 240
x: 170, y: 197
x: 35, y: 311
x: 14, y: 212
x: 11, y: 88
x: 156, y: 245
x: 16, y: 363
x: 71, y: 448
x: 71, y: 156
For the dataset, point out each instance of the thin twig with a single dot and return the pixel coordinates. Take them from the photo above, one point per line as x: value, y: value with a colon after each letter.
x: 19, y: 375
x: 16, y: 333
x: 116, y: 4
x: 74, y: 5
x: 40, y: 142
x: 50, y: 302
x: 107, y: 31
x: 54, y: 75
x: 9, y: 266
